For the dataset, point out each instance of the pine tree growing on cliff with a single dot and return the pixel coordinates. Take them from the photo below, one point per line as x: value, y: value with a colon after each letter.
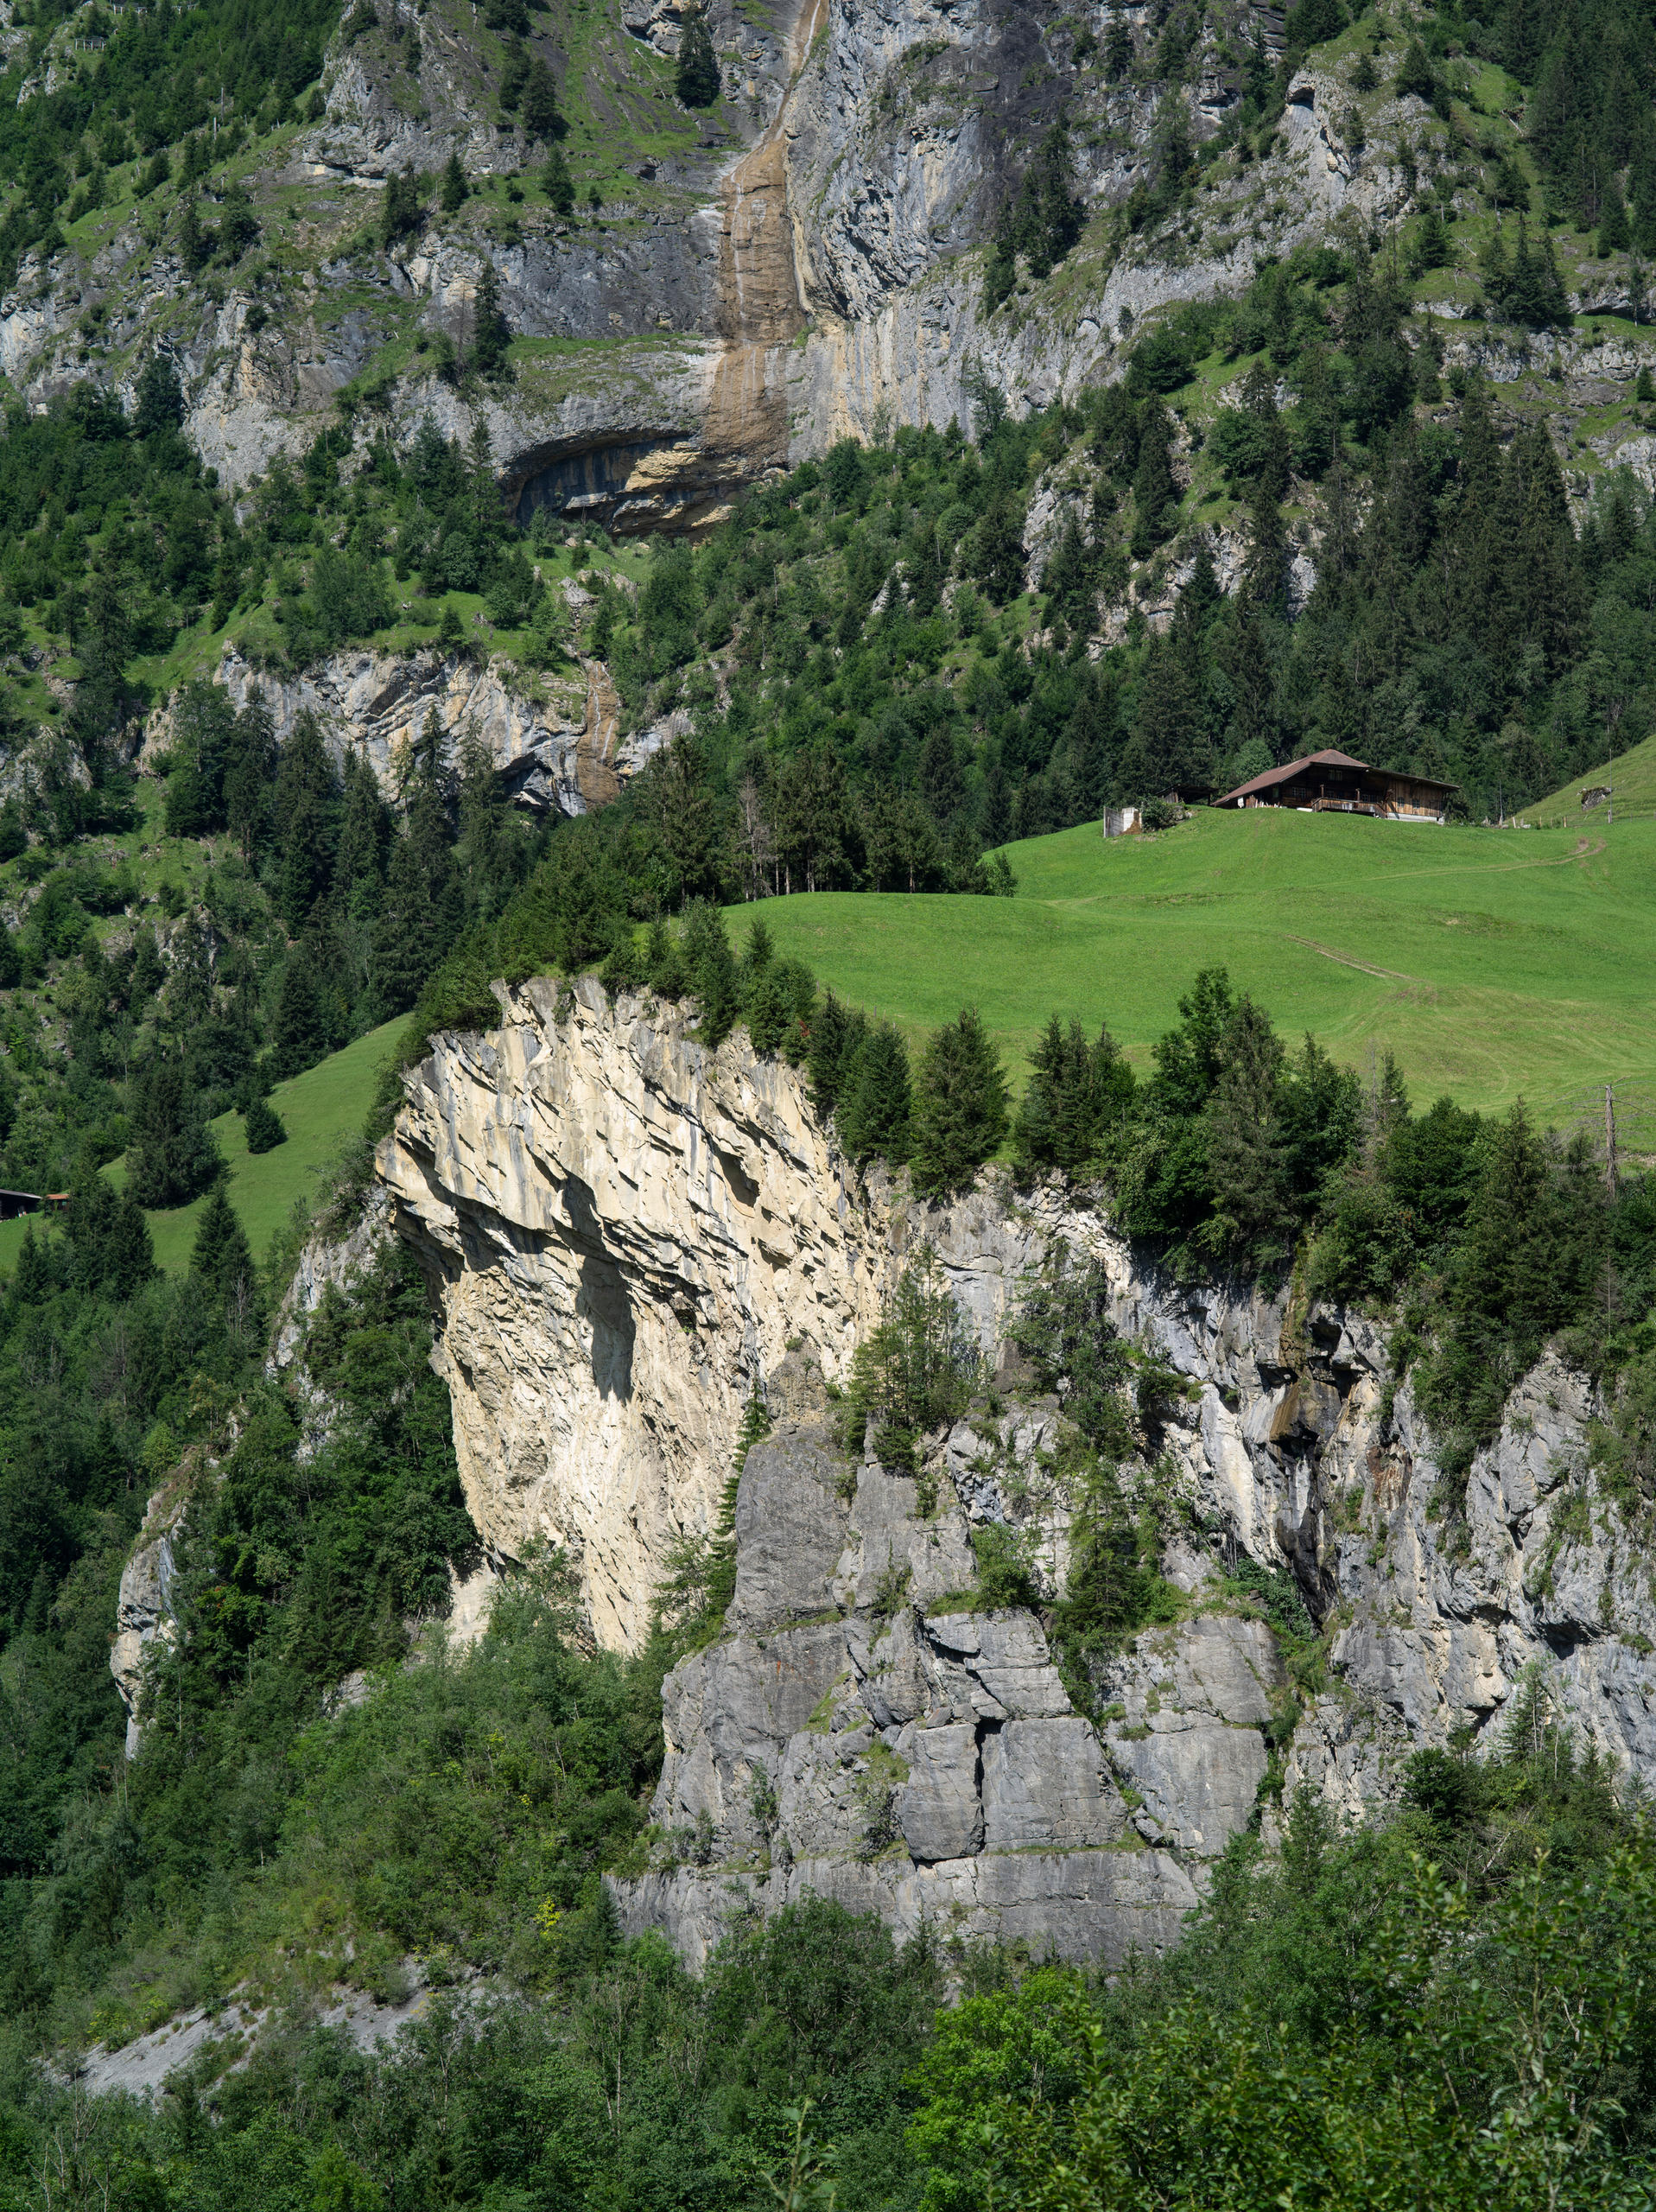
x: 557, y: 184
x: 540, y: 113
x: 454, y: 190
x: 959, y: 1106
x: 698, y: 65
x: 492, y: 334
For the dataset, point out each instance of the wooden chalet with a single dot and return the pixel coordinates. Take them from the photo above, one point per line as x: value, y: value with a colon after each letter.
x: 1332, y: 783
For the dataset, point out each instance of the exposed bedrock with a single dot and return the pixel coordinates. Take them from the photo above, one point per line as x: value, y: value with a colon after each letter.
x: 627, y: 1234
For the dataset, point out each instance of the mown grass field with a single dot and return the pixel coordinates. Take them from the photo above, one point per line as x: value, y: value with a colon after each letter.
x: 1494, y: 963
x: 323, y: 1109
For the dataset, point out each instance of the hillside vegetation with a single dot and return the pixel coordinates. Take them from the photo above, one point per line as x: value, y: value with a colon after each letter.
x: 1492, y: 965
x: 1372, y: 498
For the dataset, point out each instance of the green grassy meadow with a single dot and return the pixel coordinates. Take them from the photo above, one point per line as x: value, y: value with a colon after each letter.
x: 323, y: 1111
x: 1632, y: 776
x: 1494, y: 963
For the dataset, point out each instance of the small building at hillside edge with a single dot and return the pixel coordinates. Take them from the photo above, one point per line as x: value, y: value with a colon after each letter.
x: 1332, y: 783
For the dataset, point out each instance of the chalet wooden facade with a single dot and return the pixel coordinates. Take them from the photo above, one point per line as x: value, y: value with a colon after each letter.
x: 1332, y: 783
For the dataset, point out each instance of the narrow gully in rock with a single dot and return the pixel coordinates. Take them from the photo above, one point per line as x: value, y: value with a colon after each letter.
x: 760, y: 309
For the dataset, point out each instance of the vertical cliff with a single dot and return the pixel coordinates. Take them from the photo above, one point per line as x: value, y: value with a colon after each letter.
x: 627, y: 1234
x: 622, y: 1231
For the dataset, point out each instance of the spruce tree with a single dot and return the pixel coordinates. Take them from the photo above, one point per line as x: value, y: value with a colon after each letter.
x: 263, y: 1126
x: 1168, y: 749
x: 1430, y: 247
x: 876, y: 1098
x: 360, y: 860
x: 299, y: 1030
x: 454, y: 191
x: 959, y: 1105
x: 698, y: 79
x: 1067, y: 580
x: 1078, y: 1095
x: 158, y: 404
x: 557, y: 184
x: 223, y: 1262
x: 1614, y: 233
x: 713, y: 975
x: 130, y: 1255
x: 306, y: 807
x: 769, y: 1016
x: 424, y: 905
x: 1154, y: 490
x: 172, y: 1156
x: 492, y: 333
x: 540, y: 115
x: 836, y: 1038
x: 664, y: 969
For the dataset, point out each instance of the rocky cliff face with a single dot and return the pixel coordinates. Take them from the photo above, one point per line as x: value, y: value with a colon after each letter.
x: 626, y: 1235
x: 555, y: 746
x: 758, y: 282
x: 623, y: 1232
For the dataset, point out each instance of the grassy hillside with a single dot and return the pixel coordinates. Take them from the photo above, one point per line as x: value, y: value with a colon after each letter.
x: 1491, y: 963
x: 1632, y: 777
x: 323, y: 1111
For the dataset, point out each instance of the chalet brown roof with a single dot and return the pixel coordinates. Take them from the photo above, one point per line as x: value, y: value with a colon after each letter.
x: 1327, y: 759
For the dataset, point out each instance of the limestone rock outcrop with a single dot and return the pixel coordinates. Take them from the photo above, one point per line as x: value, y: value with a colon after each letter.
x: 555, y: 751
x: 627, y: 1235
x: 624, y: 1231
x: 143, y: 1604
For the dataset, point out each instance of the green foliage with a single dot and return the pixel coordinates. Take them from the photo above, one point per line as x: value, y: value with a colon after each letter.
x: 1078, y: 1097
x: 697, y: 79
x: 265, y: 1126
x: 1452, y: 1994
x: 701, y: 1578
x: 959, y: 1117
x: 915, y: 1370
x: 1239, y: 1139
x: 1063, y: 1325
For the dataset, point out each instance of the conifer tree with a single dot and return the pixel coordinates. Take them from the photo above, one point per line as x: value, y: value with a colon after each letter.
x: 263, y: 1125
x: 129, y: 1255
x: 541, y: 118
x: 299, y: 1028
x: 959, y: 1105
x: 698, y: 79
x: 1431, y: 246
x: 223, y: 1262
x: 769, y: 1014
x: 664, y: 968
x: 454, y: 191
x: 713, y: 972
x: 1154, y: 489
x: 306, y: 807
x: 359, y: 861
x: 158, y: 404
x: 876, y: 1097
x: 1076, y: 1093
x: 1067, y: 580
x: 1169, y: 748
x: 492, y: 333
x: 557, y: 184
x: 172, y: 1156
x: 836, y: 1039
x: 424, y: 904
x: 1614, y: 233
